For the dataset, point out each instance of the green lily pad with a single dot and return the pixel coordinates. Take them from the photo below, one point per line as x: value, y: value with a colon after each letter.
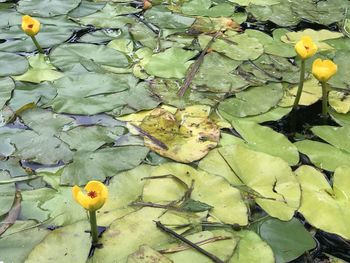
x: 341, y: 119
x: 164, y: 18
x: 332, y: 214
x: 40, y: 70
x: 86, y: 8
x: 167, y: 90
x: 288, y: 240
x: 172, y: 63
x: 205, y: 8
x: 84, y: 94
x: 223, y: 249
x: 19, y: 240
x: 71, y: 241
x: 46, y: 8
x: 251, y: 248
x: 269, y: 179
x: 311, y: 93
x: 125, y: 235
x: 146, y: 254
x: 185, y: 136
x: 45, y: 122
x: 71, y: 57
x: 340, y: 80
x: 98, y: 165
x: 54, y: 30
x: 317, y: 36
x: 264, y: 139
x: 109, y: 16
x: 216, y: 74
x: 235, y: 46
x: 90, y: 138
x: 8, y: 192
x: 323, y: 155
x: 253, y: 101
x: 339, y: 101
x: 12, y: 64
x: 337, y: 136
x: 166, y: 190
x: 6, y: 87
x: 255, y: 2
x: 31, y: 146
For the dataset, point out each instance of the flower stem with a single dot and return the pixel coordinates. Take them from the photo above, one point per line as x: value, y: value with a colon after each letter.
x: 93, y: 224
x: 301, y: 84
x: 324, y: 99
x: 37, y: 45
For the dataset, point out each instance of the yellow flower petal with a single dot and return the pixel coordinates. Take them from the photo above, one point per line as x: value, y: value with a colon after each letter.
x: 323, y: 70
x: 95, y: 197
x: 30, y: 25
x: 306, y: 48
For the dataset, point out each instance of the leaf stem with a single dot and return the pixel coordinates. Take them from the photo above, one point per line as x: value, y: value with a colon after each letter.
x: 37, y: 45
x: 301, y: 84
x: 324, y: 99
x: 93, y: 224
x: 188, y: 242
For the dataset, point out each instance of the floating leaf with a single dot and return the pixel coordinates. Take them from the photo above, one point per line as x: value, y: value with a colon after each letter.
x: 222, y: 198
x: 266, y: 140
x: 6, y: 87
x: 185, y: 136
x: 323, y: 155
x: 332, y: 214
x: 40, y: 70
x: 269, y: 179
x: 340, y: 79
x: 72, y: 242
x: 288, y: 240
x: 311, y: 93
x: 337, y: 136
x: 235, y: 46
x: 339, y: 101
x: 145, y: 254
x: 7, y: 196
x: 98, y: 165
x: 253, y: 101
x: 46, y: 8
x: 205, y: 8
x: 172, y: 63
x: 70, y: 57
x: 12, y: 64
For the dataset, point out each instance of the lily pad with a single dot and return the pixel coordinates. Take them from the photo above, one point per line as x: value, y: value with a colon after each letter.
x: 6, y: 87
x: 185, y: 136
x: 340, y: 79
x: 337, y: 136
x: 266, y: 140
x: 12, y: 64
x: 235, y: 46
x: 8, y: 192
x: 71, y: 57
x: 71, y: 241
x: 46, y: 8
x: 222, y: 198
x: 288, y: 240
x: 311, y: 93
x: 205, y: 8
x: 253, y: 101
x: 40, y: 70
x: 269, y: 179
x: 98, y: 165
x: 332, y: 213
x: 339, y: 101
x: 172, y: 63
x: 145, y: 254
x: 323, y: 155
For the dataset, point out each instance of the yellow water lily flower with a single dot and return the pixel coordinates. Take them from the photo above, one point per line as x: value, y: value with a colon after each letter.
x: 94, y: 198
x: 30, y: 25
x: 306, y: 48
x: 323, y: 70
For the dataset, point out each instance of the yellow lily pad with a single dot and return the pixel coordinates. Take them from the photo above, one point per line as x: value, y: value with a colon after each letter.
x: 322, y: 206
x: 339, y: 101
x: 318, y: 36
x: 311, y: 93
x: 185, y: 136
